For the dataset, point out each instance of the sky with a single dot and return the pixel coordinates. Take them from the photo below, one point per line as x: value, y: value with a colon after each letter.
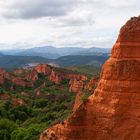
x: 63, y: 23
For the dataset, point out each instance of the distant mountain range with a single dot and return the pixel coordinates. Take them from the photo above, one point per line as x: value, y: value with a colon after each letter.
x: 51, y: 52
x: 61, y: 57
x: 10, y: 62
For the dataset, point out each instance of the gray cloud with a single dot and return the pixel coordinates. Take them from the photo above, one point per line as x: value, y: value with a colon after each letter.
x: 64, y: 22
x: 38, y: 8
x: 72, y: 21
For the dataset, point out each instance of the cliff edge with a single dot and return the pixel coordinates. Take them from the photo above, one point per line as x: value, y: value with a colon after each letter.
x: 113, y: 111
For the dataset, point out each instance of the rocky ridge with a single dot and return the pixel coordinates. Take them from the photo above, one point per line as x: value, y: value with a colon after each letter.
x: 113, y: 111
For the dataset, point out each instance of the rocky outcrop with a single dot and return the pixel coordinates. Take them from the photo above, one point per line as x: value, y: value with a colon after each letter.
x: 76, y: 85
x: 74, y: 76
x: 83, y: 90
x: 21, y: 82
x: 113, y: 111
x: 80, y: 85
x: 91, y: 85
x: 27, y: 77
x: 2, y: 73
x: 17, y: 102
x: 78, y: 100
x: 54, y: 77
x: 33, y: 75
x: 43, y: 68
x: 6, y: 77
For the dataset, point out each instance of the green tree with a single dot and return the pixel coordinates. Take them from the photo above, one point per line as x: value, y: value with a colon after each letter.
x: 18, y: 134
x: 6, y: 128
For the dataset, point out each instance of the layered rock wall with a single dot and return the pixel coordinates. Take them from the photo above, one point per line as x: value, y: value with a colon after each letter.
x: 113, y: 111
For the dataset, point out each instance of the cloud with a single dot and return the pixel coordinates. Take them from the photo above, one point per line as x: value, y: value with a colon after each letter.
x: 63, y: 23
x: 28, y: 9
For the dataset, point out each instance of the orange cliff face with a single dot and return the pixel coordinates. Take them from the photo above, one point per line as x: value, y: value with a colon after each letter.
x: 79, y: 85
x: 33, y: 75
x: 43, y: 68
x: 113, y: 111
x: 83, y: 90
x: 76, y: 85
x: 54, y: 77
x: 4, y: 75
x: 53, y: 74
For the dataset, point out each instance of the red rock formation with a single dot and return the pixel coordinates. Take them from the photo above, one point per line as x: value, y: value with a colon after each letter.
x: 76, y: 85
x: 113, y: 111
x: 4, y: 96
x: 54, y: 77
x: 78, y: 100
x: 43, y: 68
x: 14, y: 79
x: 17, y: 102
x: 33, y: 75
x: 1, y: 79
x: 80, y: 85
x: 21, y: 82
x: 57, y: 75
x: 74, y: 76
x: 19, y: 71
x: 83, y: 90
x: 2, y: 73
x: 91, y: 85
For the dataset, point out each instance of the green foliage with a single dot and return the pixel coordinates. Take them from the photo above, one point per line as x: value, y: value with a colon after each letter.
x: 38, y: 83
x: 7, y: 105
x: 19, y: 113
x: 65, y: 82
x: 48, y: 117
x: 49, y: 83
x: 18, y: 134
x: 6, y: 128
x: 25, y: 134
x: 41, y: 76
x: 40, y: 103
x: 3, y: 112
x: 84, y: 97
x: 38, y: 112
x: 2, y: 91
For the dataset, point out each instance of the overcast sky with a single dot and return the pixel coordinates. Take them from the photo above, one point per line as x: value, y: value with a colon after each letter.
x: 63, y: 23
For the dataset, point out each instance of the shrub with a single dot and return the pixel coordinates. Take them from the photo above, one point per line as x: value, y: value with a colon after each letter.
x: 18, y: 134
x: 7, y: 105
x: 3, y: 112
x: 40, y: 103
x: 48, y: 117
x: 6, y: 129
x: 84, y: 97
x: 2, y: 91
x: 20, y: 113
